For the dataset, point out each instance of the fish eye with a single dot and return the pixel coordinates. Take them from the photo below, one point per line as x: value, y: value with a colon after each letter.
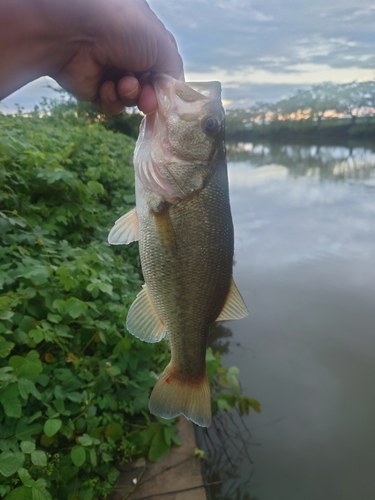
x: 210, y: 125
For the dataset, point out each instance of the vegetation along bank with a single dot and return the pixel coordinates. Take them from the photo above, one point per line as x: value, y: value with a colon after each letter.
x: 325, y: 112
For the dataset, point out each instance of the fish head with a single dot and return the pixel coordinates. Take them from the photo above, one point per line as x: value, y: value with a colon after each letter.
x: 182, y: 143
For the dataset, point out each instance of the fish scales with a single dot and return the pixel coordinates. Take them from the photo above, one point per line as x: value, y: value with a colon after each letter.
x: 183, y: 223
x: 196, y: 276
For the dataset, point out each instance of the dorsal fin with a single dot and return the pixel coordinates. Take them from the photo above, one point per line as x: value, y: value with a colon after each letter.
x: 234, y: 307
x: 143, y: 321
x: 125, y: 230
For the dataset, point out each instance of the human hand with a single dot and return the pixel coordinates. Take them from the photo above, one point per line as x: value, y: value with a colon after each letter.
x: 112, y: 69
x: 101, y: 51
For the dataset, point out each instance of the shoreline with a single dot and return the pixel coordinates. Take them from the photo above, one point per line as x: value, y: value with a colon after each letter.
x: 305, y: 132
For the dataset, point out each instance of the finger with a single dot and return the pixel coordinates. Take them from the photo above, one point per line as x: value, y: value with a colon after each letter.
x: 110, y: 100
x: 129, y: 90
x: 147, y: 101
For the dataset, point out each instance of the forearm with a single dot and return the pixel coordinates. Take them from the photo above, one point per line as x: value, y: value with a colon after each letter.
x: 35, y: 40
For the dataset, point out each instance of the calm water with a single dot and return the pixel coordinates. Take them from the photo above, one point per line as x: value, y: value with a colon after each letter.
x: 304, y: 221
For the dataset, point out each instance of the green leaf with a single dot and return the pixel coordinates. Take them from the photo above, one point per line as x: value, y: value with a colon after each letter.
x: 43, y: 379
x: 27, y: 446
x: 39, y: 491
x: 37, y: 274
x: 27, y: 387
x: 75, y: 307
x: 199, y: 453
x: 34, y: 417
x: 37, y: 335
x: 5, y: 347
x: 114, y: 371
x: 245, y: 403
x: 6, y: 315
x: 10, y: 462
x: 29, y: 366
x: 95, y: 187
x: 78, y: 455
x: 54, y: 318
x: 233, y: 370
x: 10, y: 401
x: 25, y: 477
x: 59, y: 305
x: 21, y: 493
x: 85, y: 440
x: 87, y: 493
x: 223, y: 405
x: 6, y: 374
x: 52, y: 426
x: 93, y: 457
x: 122, y: 345
x: 66, y: 278
x: 113, y: 474
x: 25, y: 431
x: 75, y: 396
x: 170, y: 435
x: 158, y: 447
x: 39, y: 458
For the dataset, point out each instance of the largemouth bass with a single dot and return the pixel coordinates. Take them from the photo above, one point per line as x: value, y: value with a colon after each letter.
x: 183, y: 223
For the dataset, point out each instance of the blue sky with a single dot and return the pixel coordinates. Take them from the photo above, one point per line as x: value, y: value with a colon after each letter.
x: 262, y: 50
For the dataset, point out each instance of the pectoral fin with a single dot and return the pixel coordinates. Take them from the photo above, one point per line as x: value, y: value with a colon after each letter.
x: 125, y: 230
x: 143, y: 320
x: 234, y: 307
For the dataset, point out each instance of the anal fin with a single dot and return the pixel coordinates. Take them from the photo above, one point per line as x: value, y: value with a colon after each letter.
x: 143, y: 320
x: 234, y: 307
x: 125, y: 230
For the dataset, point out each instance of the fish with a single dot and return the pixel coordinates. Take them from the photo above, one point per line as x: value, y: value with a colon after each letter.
x: 182, y: 221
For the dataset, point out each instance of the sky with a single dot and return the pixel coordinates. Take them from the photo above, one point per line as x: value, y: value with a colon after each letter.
x: 261, y: 50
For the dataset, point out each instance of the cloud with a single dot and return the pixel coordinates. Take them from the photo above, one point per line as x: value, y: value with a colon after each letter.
x: 264, y: 50
x: 245, y: 95
x: 270, y: 35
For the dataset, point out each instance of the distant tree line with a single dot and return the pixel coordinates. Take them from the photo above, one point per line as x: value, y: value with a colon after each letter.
x: 349, y: 101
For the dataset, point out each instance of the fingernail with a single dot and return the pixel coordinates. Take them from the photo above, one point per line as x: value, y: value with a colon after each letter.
x: 132, y: 94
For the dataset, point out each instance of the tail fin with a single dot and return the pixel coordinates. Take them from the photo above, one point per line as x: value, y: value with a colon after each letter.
x: 174, y: 395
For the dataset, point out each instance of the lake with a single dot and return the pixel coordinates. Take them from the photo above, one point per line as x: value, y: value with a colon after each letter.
x: 305, y: 265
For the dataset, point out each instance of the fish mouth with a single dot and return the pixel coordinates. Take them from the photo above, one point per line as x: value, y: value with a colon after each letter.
x: 177, y: 93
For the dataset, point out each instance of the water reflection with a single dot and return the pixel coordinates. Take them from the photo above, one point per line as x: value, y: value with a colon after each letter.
x: 321, y: 162
x: 305, y: 253
x: 220, y: 338
x: 302, y: 203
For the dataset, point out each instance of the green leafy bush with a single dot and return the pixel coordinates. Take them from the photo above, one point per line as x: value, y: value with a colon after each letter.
x: 74, y: 384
